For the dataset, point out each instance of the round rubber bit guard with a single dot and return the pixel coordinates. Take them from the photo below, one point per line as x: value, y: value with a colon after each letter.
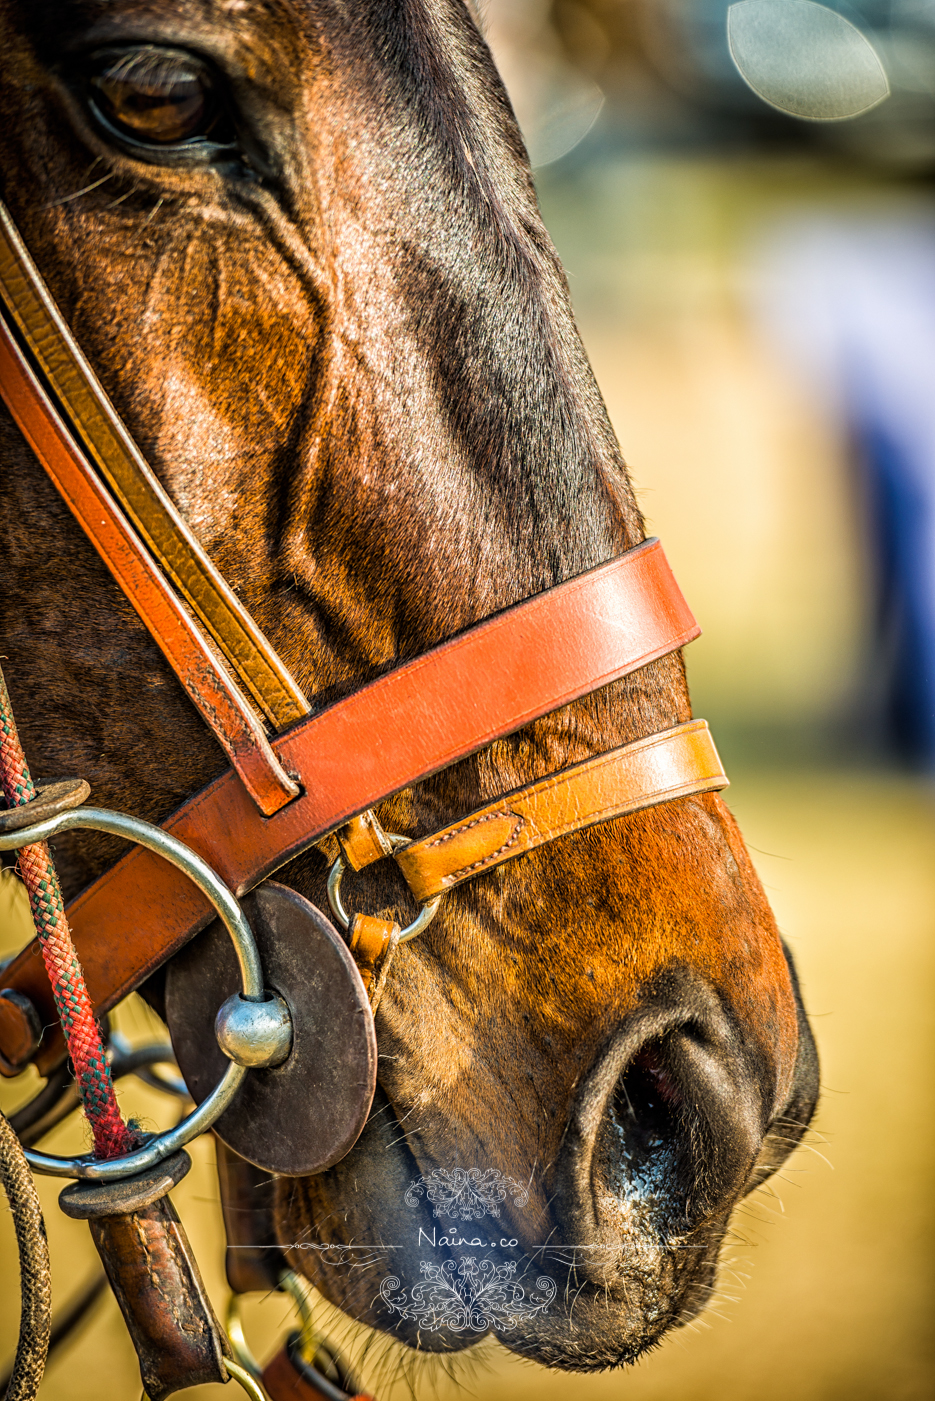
x: 304, y: 1115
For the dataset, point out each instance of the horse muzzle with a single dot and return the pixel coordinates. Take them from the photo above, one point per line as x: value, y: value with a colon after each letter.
x: 586, y: 1264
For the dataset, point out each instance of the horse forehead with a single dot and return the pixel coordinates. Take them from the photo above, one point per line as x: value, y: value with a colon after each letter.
x: 271, y: 30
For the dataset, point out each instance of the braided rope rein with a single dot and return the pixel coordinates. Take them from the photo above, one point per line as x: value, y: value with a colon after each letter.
x: 112, y: 1136
x: 35, y: 1270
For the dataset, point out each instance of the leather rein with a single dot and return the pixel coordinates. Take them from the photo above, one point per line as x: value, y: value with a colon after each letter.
x: 299, y: 775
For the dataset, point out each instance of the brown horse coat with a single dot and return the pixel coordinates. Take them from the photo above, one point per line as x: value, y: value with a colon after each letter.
x: 340, y: 334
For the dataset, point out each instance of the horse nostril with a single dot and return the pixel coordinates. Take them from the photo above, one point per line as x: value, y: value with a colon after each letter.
x: 643, y: 1148
x: 681, y: 1127
x: 646, y: 1100
x: 666, y: 1126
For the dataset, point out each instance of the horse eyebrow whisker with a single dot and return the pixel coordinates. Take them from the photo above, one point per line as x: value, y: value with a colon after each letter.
x: 155, y: 210
x: 78, y: 193
x: 113, y: 204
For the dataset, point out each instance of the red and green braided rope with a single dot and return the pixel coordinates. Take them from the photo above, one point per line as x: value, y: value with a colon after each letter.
x: 82, y: 1034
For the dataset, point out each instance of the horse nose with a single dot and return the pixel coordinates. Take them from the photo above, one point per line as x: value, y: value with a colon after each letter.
x: 667, y: 1126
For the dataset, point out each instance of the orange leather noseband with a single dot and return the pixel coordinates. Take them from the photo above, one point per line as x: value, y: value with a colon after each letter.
x: 523, y: 663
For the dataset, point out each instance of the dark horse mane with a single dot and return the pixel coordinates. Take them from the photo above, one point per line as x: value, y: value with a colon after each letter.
x: 346, y: 346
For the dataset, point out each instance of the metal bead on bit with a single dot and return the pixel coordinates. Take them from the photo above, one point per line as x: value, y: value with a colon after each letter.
x: 255, y: 1034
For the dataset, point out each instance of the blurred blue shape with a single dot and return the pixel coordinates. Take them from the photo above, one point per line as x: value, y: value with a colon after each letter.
x: 852, y: 301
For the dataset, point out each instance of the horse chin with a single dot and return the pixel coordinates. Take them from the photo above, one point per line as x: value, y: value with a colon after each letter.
x: 600, y: 1327
x: 351, y: 1232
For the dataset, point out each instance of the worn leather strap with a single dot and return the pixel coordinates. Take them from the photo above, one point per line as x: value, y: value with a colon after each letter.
x: 283, y: 1381
x: 672, y: 764
x: 102, y: 433
x: 157, y: 1283
x: 426, y: 715
x: 189, y: 652
x: 363, y: 841
x: 373, y: 941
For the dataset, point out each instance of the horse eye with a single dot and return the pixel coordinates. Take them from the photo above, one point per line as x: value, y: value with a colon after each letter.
x: 158, y: 97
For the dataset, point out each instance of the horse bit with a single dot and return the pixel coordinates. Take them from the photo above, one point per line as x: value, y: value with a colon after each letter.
x: 287, y: 1078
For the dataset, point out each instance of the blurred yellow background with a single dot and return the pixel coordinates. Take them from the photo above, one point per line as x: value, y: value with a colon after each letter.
x: 826, y: 1288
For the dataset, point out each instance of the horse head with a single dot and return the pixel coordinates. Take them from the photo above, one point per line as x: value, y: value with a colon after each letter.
x: 299, y: 241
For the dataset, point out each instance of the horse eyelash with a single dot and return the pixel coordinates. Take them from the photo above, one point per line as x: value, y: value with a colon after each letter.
x: 141, y: 64
x: 66, y: 199
x: 154, y: 211
x: 132, y: 191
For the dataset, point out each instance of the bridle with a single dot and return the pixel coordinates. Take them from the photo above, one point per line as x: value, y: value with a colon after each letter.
x: 298, y: 776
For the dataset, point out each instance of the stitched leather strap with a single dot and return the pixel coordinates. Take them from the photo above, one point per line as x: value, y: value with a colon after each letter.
x: 422, y: 717
x: 189, y: 652
x: 672, y: 764
x: 102, y: 433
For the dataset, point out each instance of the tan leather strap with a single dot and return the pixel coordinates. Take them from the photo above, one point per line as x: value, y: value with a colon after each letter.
x: 189, y: 652
x: 422, y: 717
x: 672, y: 764
x: 363, y: 841
x: 103, y: 435
x: 373, y: 942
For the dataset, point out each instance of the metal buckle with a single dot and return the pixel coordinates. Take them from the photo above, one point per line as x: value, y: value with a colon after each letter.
x: 422, y: 920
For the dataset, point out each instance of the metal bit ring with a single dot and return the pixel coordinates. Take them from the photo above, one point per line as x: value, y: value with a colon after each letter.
x: 160, y: 842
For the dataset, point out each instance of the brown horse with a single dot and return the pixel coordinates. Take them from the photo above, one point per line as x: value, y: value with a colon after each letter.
x: 300, y: 244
